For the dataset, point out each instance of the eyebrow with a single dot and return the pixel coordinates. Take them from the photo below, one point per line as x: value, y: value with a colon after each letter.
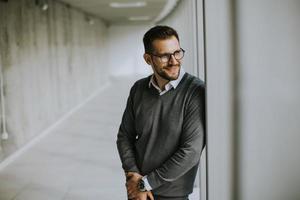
x: 167, y: 53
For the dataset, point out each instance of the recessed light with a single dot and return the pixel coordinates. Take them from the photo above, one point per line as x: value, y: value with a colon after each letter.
x: 139, y: 18
x: 128, y: 5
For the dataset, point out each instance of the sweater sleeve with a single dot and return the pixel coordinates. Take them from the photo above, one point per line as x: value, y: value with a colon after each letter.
x: 126, y: 137
x: 191, y: 144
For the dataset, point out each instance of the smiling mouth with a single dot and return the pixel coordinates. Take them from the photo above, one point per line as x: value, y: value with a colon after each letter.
x: 171, y: 67
x: 172, y: 71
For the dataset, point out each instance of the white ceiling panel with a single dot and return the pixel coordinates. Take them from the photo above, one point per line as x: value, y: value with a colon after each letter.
x: 102, y: 9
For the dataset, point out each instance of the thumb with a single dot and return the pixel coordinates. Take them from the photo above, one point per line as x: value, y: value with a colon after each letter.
x: 150, y: 195
x: 129, y: 175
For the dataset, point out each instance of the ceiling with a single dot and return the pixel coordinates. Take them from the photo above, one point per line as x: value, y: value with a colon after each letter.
x: 145, y: 14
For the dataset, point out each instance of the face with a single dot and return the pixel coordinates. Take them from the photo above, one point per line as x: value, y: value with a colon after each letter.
x: 165, y: 70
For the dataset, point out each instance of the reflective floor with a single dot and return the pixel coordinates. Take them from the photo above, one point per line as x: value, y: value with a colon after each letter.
x: 78, y: 159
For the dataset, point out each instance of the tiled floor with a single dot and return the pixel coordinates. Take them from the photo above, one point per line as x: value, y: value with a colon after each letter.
x: 78, y: 160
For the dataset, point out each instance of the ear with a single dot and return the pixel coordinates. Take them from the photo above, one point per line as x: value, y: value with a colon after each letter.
x: 147, y: 58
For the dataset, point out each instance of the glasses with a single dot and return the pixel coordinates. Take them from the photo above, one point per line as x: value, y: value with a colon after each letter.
x: 164, y: 58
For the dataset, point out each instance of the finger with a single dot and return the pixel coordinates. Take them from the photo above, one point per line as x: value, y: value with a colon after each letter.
x: 132, y: 187
x: 129, y: 182
x: 128, y: 178
x: 150, y: 195
x: 130, y: 174
x: 132, y: 194
x: 129, y: 187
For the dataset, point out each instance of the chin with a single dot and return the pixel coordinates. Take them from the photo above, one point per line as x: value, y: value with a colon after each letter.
x: 173, y: 77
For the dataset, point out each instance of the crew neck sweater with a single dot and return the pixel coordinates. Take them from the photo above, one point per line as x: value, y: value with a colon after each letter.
x: 162, y: 136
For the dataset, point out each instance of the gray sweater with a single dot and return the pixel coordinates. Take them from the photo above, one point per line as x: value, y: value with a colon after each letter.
x: 163, y: 136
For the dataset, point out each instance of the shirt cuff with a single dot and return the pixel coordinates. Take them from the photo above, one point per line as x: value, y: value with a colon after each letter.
x: 146, y: 182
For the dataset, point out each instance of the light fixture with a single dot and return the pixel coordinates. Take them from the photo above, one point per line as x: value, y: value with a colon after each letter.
x: 89, y: 20
x: 42, y: 4
x: 169, y: 6
x: 139, y: 18
x: 45, y: 7
x: 128, y: 5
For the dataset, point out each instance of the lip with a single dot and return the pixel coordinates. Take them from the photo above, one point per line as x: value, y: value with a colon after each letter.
x: 172, y: 70
x: 171, y: 67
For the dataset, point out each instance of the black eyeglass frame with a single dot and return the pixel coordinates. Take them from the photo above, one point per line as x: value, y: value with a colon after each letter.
x: 169, y: 55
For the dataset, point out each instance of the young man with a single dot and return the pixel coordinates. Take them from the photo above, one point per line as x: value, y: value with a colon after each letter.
x: 161, y: 135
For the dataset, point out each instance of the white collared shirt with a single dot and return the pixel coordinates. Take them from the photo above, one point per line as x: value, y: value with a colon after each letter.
x: 169, y: 85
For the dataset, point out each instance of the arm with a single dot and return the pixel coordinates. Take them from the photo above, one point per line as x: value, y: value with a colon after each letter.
x: 125, y: 143
x: 133, y: 191
x: 191, y: 144
x: 126, y: 137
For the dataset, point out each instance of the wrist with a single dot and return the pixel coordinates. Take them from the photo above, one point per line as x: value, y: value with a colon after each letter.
x: 143, y: 184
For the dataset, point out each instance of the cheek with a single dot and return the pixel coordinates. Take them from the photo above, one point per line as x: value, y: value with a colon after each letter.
x: 158, y: 65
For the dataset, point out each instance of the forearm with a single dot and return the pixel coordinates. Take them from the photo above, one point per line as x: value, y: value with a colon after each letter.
x: 127, y: 155
x: 182, y: 161
x: 126, y: 138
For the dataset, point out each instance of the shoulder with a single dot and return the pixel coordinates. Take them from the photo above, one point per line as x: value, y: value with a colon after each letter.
x: 194, y: 90
x: 140, y: 84
x: 143, y: 81
x: 194, y: 83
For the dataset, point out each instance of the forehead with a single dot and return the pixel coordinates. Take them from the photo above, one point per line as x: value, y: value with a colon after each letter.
x: 168, y: 45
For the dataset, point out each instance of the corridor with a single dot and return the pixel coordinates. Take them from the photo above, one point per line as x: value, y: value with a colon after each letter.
x: 66, y: 67
x: 78, y: 159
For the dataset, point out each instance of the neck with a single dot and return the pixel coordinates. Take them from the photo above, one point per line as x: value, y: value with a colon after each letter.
x: 161, y: 82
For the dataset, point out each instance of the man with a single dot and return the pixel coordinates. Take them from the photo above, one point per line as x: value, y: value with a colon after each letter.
x: 161, y: 135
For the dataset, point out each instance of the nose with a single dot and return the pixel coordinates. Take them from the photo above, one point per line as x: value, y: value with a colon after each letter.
x: 172, y: 60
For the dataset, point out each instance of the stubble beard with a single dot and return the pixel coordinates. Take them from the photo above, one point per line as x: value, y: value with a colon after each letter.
x: 166, y: 76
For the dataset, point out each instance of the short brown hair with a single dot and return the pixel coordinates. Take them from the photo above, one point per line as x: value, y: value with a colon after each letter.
x: 157, y: 32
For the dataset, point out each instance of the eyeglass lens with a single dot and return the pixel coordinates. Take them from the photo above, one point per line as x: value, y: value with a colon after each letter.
x: 178, y: 55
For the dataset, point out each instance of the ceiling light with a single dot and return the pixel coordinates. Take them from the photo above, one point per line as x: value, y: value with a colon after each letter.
x: 139, y: 18
x: 89, y: 20
x: 45, y: 7
x: 42, y: 4
x: 128, y: 5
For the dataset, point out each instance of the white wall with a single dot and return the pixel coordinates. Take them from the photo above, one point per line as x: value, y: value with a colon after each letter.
x: 51, y: 61
x: 253, y: 99
x: 183, y: 20
x: 219, y: 81
x: 269, y: 61
x: 126, y: 50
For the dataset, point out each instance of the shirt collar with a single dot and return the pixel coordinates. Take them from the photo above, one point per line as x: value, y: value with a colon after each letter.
x: 173, y: 83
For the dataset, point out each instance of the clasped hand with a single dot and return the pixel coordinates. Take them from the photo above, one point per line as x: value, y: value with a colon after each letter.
x: 132, y: 180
